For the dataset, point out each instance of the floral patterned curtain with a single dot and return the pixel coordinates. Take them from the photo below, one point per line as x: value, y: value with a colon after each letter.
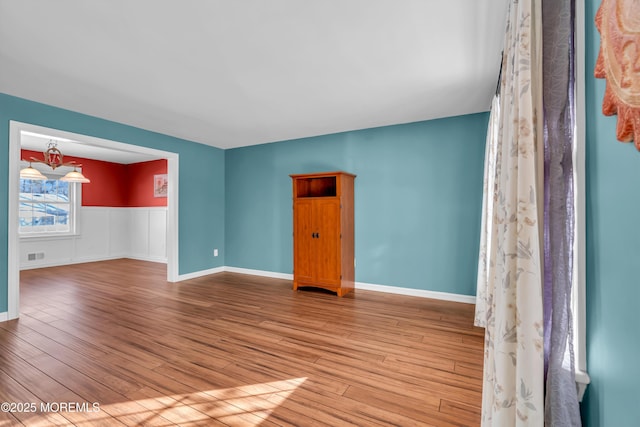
x: 509, y: 297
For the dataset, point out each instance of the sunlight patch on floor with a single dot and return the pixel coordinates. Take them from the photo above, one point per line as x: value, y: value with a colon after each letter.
x: 247, y: 405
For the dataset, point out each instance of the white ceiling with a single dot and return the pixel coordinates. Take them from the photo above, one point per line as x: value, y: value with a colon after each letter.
x: 235, y: 73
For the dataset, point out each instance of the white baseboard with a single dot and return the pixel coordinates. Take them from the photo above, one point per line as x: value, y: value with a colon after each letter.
x: 200, y: 273
x: 160, y: 260
x: 90, y: 259
x: 285, y: 276
x: 69, y: 262
x: 468, y: 299
x: 262, y: 273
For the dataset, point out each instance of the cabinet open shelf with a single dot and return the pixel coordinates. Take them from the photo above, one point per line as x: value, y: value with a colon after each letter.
x: 324, y: 186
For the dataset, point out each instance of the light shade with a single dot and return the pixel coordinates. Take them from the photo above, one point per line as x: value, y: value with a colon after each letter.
x: 74, y: 176
x: 31, y: 173
x: 54, y: 159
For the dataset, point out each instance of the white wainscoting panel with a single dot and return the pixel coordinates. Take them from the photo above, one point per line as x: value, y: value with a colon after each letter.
x: 119, y: 232
x: 94, y: 228
x: 148, y: 234
x: 105, y: 233
x: 158, y: 234
x: 138, y: 232
x: 49, y: 252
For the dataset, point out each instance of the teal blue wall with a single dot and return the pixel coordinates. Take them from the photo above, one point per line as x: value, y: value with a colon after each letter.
x: 613, y: 259
x: 418, y: 199
x: 418, y: 195
x: 201, y: 181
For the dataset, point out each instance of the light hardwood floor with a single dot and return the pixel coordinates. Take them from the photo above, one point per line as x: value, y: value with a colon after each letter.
x: 231, y: 349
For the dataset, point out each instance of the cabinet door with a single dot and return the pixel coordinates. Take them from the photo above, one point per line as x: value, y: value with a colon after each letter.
x: 303, y: 240
x: 327, y: 241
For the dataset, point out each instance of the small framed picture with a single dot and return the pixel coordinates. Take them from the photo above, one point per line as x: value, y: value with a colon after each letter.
x: 160, y: 185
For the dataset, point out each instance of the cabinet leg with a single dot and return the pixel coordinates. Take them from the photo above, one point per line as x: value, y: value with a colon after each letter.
x: 343, y: 291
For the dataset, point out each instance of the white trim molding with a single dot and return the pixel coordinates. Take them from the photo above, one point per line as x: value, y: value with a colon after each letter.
x: 197, y: 274
x: 582, y: 381
x: 70, y: 262
x: 13, y: 259
x: 578, y: 288
x: 4, y: 316
x: 422, y: 293
x: 263, y: 273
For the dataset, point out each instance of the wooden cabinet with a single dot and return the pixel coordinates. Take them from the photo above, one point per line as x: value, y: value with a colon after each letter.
x: 323, y: 231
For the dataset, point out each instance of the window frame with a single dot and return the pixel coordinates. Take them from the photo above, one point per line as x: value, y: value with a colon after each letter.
x: 75, y: 198
x: 578, y: 288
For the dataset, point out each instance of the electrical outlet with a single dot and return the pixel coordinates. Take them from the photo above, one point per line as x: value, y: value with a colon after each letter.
x: 215, y: 252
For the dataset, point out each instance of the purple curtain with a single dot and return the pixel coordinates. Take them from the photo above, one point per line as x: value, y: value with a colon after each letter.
x: 561, y: 398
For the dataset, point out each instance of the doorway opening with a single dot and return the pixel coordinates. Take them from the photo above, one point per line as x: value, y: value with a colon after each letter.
x: 17, y: 132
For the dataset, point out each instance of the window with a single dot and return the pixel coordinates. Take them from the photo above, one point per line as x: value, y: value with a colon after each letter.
x: 47, y: 207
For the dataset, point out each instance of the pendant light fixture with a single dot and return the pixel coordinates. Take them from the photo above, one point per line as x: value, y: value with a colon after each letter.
x: 32, y: 173
x: 54, y: 159
x: 74, y: 176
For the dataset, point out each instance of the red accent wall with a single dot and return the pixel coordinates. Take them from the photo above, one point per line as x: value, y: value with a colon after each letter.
x: 140, y: 186
x: 115, y: 184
